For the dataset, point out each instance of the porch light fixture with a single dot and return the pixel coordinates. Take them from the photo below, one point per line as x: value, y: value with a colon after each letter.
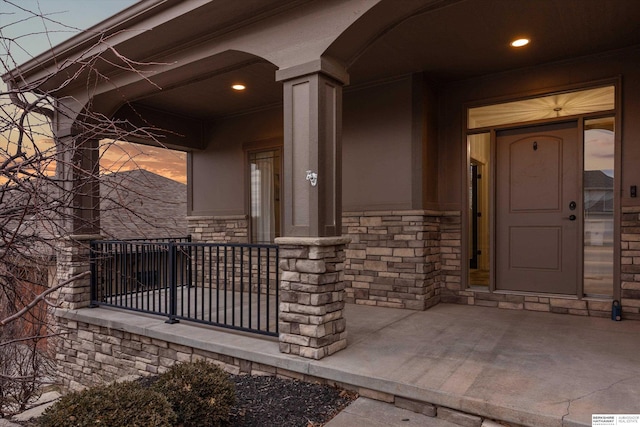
x: 238, y: 87
x: 519, y: 42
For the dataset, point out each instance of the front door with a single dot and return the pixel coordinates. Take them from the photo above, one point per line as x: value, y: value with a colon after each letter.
x: 538, y: 209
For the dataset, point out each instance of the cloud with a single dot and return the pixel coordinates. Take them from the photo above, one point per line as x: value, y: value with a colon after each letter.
x: 599, y: 148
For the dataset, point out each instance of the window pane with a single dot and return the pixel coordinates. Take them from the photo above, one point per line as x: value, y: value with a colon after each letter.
x: 598, y: 206
x: 265, y: 195
x: 545, y: 107
x: 479, y: 189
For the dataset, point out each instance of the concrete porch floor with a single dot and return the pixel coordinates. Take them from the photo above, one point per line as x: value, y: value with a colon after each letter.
x: 528, y: 368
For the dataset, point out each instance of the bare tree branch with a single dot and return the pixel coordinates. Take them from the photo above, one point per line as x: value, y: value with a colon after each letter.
x: 42, y: 296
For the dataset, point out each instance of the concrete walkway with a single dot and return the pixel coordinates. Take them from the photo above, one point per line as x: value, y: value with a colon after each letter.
x: 526, y: 368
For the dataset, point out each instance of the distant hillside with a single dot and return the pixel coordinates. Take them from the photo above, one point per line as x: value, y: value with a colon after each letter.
x: 142, y: 204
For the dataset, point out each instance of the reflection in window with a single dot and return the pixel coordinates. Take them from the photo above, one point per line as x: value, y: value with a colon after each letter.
x: 479, y: 210
x: 265, y: 195
x: 598, y: 179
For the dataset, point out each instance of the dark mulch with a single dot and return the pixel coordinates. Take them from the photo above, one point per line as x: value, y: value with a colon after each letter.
x: 270, y: 401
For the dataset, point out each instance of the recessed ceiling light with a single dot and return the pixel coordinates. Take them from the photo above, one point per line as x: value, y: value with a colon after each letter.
x: 520, y: 42
x: 238, y: 87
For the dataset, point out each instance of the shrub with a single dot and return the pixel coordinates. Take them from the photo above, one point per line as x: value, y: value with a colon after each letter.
x: 200, y: 393
x: 115, y: 405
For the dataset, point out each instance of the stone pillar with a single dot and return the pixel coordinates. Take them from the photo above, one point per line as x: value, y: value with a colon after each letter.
x: 311, y: 317
x: 73, y: 255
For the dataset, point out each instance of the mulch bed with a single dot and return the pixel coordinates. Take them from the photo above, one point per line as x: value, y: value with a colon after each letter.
x: 263, y: 401
x: 272, y: 401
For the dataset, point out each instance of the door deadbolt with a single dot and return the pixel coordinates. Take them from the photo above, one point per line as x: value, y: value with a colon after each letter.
x: 572, y: 206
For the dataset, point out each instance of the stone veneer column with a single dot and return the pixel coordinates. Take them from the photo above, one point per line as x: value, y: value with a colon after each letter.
x: 311, y: 317
x: 73, y: 257
x: 630, y: 263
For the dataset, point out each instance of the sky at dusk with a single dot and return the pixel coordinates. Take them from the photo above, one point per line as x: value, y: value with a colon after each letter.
x: 31, y: 27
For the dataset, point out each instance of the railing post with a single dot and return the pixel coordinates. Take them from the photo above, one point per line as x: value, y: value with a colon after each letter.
x: 173, y: 283
x: 93, y: 283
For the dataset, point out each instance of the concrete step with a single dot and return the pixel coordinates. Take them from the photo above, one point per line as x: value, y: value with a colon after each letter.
x: 373, y: 413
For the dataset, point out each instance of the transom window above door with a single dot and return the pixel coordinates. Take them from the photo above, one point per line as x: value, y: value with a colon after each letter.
x: 542, y: 108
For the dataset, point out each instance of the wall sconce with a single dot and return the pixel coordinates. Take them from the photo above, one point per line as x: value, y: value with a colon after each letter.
x: 312, y: 177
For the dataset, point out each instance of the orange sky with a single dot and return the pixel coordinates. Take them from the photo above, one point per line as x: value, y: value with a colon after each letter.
x: 121, y: 156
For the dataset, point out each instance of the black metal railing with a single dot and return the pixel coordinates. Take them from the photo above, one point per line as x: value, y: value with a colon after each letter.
x: 229, y: 285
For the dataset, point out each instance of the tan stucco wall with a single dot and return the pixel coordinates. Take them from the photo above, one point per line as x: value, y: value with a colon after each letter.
x: 377, y: 132
x: 377, y: 149
x: 218, y: 172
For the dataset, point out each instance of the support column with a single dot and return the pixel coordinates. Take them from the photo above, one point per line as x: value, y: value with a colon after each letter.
x: 313, y: 148
x: 311, y: 317
x: 77, y: 172
x: 312, y: 254
x: 77, y: 175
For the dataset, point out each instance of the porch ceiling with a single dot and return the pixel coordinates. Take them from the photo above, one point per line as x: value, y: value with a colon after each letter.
x: 213, y: 96
x: 458, y: 39
x: 447, y: 39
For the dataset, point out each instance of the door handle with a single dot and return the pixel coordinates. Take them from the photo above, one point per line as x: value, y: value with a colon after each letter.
x: 572, y: 217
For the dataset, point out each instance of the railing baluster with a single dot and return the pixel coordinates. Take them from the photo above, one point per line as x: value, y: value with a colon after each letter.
x: 259, y: 286
x: 276, y: 307
x: 210, y: 270
x: 173, y: 298
x: 233, y: 286
x: 250, y: 285
x: 226, y: 269
x: 217, y: 284
x: 267, y: 295
x: 241, y: 285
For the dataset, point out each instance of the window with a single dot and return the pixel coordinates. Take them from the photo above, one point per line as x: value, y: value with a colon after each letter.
x: 542, y: 108
x: 264, y: 177
x: 598, y: 179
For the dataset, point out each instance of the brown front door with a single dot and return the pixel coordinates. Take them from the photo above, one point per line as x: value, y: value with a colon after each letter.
x: 538, y: 209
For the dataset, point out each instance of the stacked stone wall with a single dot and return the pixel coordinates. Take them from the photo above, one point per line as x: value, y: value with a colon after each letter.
x: 89, y: 354
x: 555, y: 304
x: 394, y: 258
x: 219, y: 229
x: 451, y: 252
x: 630, y: 263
